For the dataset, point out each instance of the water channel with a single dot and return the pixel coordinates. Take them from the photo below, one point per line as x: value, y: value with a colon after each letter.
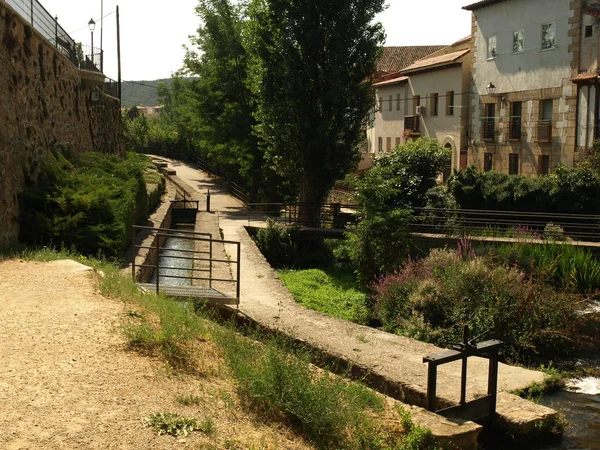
x: 170, y: 265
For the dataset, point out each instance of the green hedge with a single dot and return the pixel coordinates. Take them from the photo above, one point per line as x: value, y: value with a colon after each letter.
x: 87, y: 203
x: 571, y: 191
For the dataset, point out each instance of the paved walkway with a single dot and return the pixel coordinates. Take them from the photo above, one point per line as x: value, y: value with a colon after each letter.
x: 395, y: 360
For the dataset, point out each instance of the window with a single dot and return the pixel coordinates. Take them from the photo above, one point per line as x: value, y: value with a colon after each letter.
x: 388, y: 144
x: 548, y: 35
x: 450, y: 103
x: 514, y: 131
x: 488, y: 162
x: 589, y: 31
x: 390, y: 103
x: 543, y: 164
x: 488, y: 122
x: 513, y: 164
x: 397, y: 102
x: 544, y: 128
x: 416, y: 102
x: 380, y: 103
x: 492, y: 50
x: 434, y: 104
x: 398, y: 141
x: 379, y: 144
x: 518, y: 41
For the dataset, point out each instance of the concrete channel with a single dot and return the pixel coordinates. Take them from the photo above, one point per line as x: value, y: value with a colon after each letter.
x: 389, y: 363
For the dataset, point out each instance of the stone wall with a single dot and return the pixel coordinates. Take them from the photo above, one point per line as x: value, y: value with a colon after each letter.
x: 45, y: 103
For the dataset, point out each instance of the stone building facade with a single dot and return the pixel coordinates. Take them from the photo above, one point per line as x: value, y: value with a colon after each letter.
x: 523, y: 98
x: 45, y: 102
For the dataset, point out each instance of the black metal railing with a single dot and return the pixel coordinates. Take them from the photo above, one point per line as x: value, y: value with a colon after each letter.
x: 43, y: 22
x: 412, y: 124
x: 488, y: 129
x: 331, y: 215
x: 234, y: 189
x: 544, y: 131
x: 506, y: 224
x: 514, y: 128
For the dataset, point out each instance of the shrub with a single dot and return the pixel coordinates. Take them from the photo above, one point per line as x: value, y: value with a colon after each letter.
x: 435, y: 297
x: 572, y: 268
x: 88, y: 203
x: 171, y: 423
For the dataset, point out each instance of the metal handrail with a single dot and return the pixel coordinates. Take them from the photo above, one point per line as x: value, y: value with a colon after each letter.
x: 190, y: 235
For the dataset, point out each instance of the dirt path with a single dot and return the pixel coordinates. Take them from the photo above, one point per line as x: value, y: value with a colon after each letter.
x: 68, y: 382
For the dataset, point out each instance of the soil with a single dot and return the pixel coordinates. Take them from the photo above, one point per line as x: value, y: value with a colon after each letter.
x: 68, y: 380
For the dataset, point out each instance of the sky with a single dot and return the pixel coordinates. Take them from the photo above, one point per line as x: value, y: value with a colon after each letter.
x: 153, y: 33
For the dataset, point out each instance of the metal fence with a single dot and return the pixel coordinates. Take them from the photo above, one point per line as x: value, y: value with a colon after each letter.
x: 43, y: 22
x: 83, y: 57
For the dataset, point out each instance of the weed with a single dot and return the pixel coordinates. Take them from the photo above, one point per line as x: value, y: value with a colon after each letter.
x: 189, y: 399
x: 171, y: 423
x: 362, y: 338
x: 207, y: 426
x: 554, y: 381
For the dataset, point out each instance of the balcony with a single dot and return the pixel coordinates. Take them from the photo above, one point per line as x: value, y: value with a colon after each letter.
x: 514, y: 129
x: 488, y: 129
x: 412, y: 125
x: 543, y: 131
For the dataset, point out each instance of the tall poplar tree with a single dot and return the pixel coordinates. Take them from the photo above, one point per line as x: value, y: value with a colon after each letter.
x: 311, y: 62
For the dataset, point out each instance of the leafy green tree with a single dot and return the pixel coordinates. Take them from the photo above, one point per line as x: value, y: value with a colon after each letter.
x: 398, y: 181
x: 311, y: 62
x: 222, y: 104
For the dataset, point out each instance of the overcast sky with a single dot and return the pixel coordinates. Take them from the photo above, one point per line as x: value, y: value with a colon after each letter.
x: 153, y: 32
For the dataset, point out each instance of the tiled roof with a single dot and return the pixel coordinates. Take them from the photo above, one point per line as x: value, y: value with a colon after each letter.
x: 435, y: 61
x: 395, y: 59
x: 481, y: 4
x: 390, y: 82
x: 583, y: 77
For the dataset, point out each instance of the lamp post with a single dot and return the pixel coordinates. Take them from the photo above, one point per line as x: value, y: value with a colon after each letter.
x: 92, y: 26
x: 491, y: 89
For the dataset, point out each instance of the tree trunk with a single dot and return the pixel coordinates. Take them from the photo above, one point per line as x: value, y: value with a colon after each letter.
x: 309, y: 208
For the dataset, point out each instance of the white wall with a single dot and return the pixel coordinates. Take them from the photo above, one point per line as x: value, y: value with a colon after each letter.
x: 534, y: 68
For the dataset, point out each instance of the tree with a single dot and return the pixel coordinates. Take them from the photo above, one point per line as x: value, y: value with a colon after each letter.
x: 311, y: 61
x: 397, y: 182
x: 223, y: 105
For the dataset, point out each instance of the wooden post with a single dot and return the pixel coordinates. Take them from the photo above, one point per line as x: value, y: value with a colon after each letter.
x: 118, y: 55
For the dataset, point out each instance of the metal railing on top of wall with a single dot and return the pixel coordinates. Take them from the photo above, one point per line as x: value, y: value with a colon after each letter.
x: 41, y: 20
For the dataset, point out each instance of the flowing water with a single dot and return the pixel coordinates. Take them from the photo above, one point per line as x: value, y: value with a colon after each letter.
x: 172, y: 266
x: 581, y: 407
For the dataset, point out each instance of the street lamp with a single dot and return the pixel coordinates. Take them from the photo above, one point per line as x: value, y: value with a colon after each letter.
x: 92, y: 26
x: 491, y: 89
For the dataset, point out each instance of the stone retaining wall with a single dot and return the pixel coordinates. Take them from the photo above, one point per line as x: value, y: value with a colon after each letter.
x: 45, y: 104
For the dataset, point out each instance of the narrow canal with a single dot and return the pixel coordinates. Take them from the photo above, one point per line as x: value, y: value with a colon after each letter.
x: 170, y: 262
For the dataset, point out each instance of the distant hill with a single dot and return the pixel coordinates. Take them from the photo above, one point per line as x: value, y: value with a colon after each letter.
x: 141, y: 93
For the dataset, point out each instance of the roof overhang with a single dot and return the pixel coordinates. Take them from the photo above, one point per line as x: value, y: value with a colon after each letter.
x: 391, y: 82
x: 481, y: 4
x: 586, y: 78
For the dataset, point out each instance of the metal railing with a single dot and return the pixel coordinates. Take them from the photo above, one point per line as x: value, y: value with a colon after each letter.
x: 43, y: 22
x: 514, y: 128
x: 412, y: 124
x: 512, y: 224
x: 82, y: 57
x: 332, y: 215
x: 203, y: 261
x: 488, y: 128
x: 234, y: 189
x: 544, y: 131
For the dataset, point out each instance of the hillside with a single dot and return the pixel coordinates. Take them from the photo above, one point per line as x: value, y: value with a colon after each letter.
x: 141, y: 93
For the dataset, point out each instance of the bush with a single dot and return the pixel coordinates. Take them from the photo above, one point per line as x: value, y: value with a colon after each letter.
x: 571, y: 268
x: 88, y: 204
x: 565, y: 191
x: 284, y: 247
x: 434, y: 298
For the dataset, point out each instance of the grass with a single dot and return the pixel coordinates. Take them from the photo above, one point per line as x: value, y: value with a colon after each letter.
x: 274, y: 384
x: 554, y: 381
x: 330, y: 291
